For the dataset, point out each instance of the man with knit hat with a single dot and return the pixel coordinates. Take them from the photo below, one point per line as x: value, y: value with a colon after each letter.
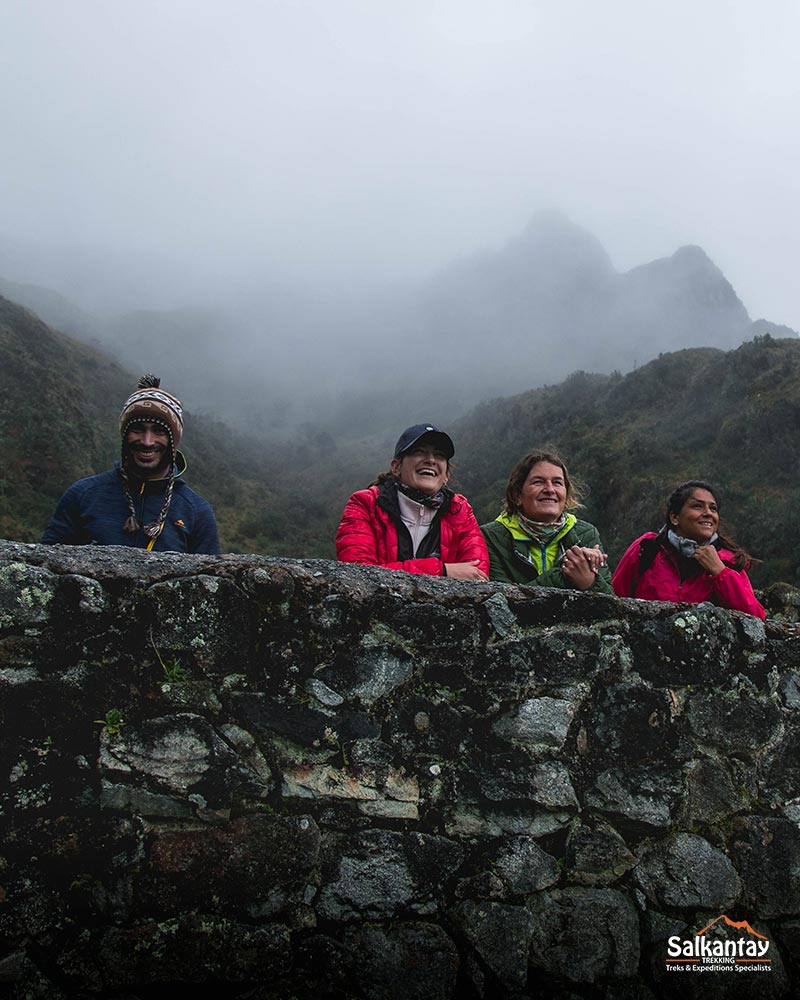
x: 142, y: 501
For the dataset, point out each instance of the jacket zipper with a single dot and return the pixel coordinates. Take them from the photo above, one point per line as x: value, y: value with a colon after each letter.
x: 150, y: 541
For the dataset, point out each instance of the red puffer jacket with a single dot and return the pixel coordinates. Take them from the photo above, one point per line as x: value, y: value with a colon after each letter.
x: 661, y: 581
x: 368, y: 535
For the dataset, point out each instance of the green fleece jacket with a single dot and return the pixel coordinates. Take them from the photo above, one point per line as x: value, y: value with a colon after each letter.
x: 514, y: 557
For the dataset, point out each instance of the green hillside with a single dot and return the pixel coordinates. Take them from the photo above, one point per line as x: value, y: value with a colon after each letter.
x: 59, y: 407
x: 56, y: 423
x: 730, y: 417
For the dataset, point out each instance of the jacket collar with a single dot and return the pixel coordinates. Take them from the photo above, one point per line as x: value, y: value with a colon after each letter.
x: 387, y: 499
x: 511, y: 523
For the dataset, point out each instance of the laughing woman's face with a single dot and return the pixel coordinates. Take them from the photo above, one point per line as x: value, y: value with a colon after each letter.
x: 423, y: 468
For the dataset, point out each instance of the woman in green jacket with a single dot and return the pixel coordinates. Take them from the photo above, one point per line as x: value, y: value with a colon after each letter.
x: 537, y: 539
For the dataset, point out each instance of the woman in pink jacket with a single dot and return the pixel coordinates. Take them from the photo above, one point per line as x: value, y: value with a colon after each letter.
x: 408, y: 519
x: 688, y: 560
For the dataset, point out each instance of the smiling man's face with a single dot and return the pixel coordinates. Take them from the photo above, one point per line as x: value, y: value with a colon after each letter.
x: 423, y: 468
x: 147, y: 449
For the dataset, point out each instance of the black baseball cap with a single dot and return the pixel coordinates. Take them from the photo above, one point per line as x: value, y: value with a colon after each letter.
x: 411, y: 435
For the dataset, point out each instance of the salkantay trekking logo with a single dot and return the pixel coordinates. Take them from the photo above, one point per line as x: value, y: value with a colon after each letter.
x: 722, y: 950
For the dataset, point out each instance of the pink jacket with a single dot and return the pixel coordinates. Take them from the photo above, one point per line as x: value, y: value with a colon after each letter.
x: 367, y: 534
x: 661, y: 581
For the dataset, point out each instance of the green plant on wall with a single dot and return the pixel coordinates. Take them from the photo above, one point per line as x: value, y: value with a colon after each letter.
x: 113, y: 721
x: 331, y: 737
x: 174, y: 671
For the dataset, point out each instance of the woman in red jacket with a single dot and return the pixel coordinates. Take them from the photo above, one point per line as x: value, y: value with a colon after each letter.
x: 408, y: 519
x: 688, y: 560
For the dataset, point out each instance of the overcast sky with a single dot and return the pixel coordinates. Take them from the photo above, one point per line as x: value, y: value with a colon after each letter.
x: 381, y: 138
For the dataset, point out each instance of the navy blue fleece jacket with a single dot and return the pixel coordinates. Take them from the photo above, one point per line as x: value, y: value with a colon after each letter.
x: 94, y: 510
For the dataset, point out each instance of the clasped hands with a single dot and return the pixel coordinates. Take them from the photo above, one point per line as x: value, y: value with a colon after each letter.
x: 580, y: 565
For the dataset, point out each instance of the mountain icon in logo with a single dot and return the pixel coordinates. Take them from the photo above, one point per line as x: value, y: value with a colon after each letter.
x: 739, y: 925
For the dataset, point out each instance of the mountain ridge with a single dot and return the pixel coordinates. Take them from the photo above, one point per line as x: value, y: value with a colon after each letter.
x: 490, y: 324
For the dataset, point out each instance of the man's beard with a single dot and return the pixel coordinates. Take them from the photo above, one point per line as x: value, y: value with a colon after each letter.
x: 155, y: 470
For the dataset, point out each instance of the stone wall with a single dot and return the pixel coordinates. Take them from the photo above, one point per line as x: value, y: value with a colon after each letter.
x: 301, y: 779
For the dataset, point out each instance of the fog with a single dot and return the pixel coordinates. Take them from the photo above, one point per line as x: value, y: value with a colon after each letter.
x: 308, y: 152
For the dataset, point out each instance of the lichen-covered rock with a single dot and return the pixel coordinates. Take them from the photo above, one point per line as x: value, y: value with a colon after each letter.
x: 386, y: 793
x: 324, y: 695
x: 566, y: 656
x: 633, y: 714
x: 711, y: 793
x: 524, y: 866
x: 380, y: 874
x: 694, y: 646
x: 455, y: 625
x: 780, y: 770
x: 501, y: 617
x: 76, y: 868
x: 643, y: 794
x: 541, y: 724
x: 416, y: 960
x: 202, y: 619
x: 558, y: 656
x: 596, y: 854
x: 42, y: 779
x: 789, y: 689
x: 431, y: 721
x: 584, y: 935
x: 658, y: 927
x: 30, y: 906
x: 471, y: 819
x: 268, y: 717
x: 782, y: 602
x: 370, y: 673
x: 501, y: 935
x: 513, y: 777
x: 686, y: 872
x: 734, y: 718
x: 177, y: 757
x: 26, y: 596
x: 283, y: 778
x: 766, y: 853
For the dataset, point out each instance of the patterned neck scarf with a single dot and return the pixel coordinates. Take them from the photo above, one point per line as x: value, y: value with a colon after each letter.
x: 131, y: 525
x: 542, y: 532
x: 687, y: 546
x: 418, y: 496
